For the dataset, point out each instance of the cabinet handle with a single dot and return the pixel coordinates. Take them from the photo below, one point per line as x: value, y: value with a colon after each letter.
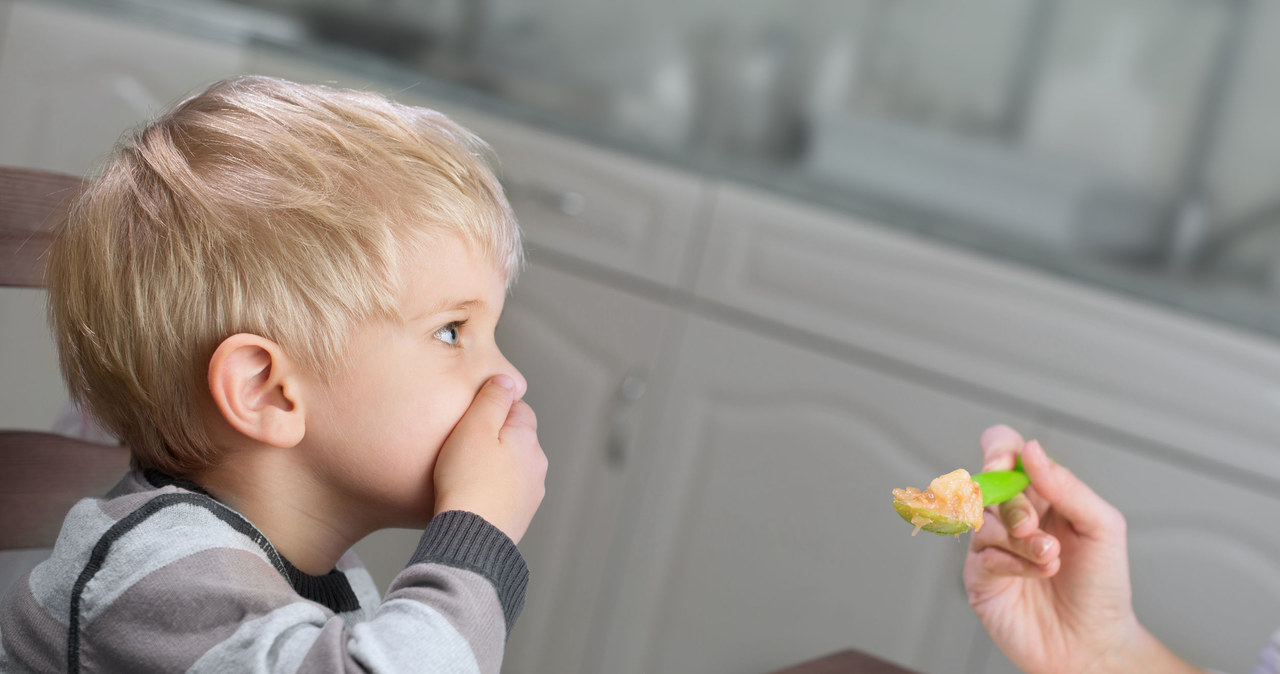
x: 566, y: 202
x: 630, y: 391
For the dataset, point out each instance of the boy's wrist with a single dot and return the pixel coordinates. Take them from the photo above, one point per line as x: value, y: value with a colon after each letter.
x: 464, y: 539
x: 478, y: 508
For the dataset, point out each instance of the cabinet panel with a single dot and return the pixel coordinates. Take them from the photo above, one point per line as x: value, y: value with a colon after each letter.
x: 585, y: 351
x: 1210, y: 392
x: 597, y: 206
x: 765, y: 535
x: 1205, y: 561
x: 74, y: 79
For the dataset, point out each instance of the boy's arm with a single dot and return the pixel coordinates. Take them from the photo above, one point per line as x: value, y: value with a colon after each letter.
x: 186, y: 590
x: 450, y: 610
x: 470, y: 575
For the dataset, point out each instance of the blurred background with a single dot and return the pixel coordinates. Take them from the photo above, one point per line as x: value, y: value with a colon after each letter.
x: 788, y: 256
x: 1126, y: 144
x: 1087, y: 136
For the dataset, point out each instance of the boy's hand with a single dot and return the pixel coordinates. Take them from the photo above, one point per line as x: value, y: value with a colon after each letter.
x: 491, y: 464
x: 1048, y: 574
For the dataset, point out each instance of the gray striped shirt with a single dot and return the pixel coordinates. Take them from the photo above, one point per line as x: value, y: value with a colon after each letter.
x: 158, y: 576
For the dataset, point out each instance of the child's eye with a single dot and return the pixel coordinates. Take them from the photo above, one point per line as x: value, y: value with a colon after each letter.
x: 449, y: 334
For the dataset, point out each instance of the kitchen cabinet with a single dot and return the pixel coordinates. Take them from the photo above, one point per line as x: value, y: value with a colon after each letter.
x: 1167, y: 417
x: 602, y: 209
x: 1207, y: 392
x: 586, y: 350
x: 764, y: 533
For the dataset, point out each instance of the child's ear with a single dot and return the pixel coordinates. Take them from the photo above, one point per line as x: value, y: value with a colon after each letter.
x: 257, y: 389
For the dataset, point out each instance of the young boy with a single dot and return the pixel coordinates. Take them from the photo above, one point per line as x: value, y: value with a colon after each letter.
x: 283, y: 299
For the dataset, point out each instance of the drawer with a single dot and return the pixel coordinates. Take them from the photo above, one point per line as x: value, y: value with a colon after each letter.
x: 594, y: 205
x: 990, y: 328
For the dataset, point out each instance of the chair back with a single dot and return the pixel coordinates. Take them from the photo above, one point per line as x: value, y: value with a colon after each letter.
x: 42, y: 474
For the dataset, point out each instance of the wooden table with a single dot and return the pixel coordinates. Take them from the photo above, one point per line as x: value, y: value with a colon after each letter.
x: 846, y: 662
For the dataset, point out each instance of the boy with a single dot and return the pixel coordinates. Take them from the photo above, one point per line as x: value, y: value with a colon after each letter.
x: 283, y: 298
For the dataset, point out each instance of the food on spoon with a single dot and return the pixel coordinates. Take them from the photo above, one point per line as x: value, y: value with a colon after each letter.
x: 951, y: 504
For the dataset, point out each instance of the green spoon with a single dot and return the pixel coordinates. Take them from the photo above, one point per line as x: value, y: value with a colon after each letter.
x: 997, y: 486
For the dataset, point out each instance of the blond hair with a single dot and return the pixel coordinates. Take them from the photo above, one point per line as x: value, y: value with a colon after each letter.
x: 260, y: 206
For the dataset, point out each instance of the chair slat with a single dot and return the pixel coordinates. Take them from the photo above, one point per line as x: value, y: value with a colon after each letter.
x: 44, y: 475
x: 31, y: 204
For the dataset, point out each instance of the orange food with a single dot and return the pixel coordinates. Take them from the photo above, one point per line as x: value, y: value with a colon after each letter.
x: 954, y: 495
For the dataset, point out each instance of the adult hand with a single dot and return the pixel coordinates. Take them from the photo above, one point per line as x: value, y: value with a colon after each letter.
x: 491, y: 464
x: 1048, y: 573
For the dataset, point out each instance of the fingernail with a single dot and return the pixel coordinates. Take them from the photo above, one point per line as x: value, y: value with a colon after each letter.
x: 1001, y: 437
x: 505, y: 382
x: 1019, y: 517
x: 1041, y: 546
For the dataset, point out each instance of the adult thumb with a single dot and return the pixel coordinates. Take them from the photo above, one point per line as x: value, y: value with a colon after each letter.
x: 1088, y: 513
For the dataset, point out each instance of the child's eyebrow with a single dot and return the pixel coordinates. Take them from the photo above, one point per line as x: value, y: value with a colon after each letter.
x: 444, y: 305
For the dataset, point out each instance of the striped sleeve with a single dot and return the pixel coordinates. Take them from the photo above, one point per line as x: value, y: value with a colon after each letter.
x: 182, y: 591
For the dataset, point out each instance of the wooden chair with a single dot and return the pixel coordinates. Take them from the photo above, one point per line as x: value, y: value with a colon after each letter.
x: 41, y: 474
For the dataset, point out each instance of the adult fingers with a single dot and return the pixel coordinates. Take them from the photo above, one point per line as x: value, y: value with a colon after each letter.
x: 1000, y: 447
x: 1038, y: 550
x: 1072, y: 499
x: 992, y: 563
x: 1020, y: 516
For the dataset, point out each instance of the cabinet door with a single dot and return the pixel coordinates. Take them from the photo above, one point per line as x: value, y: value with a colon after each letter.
x: 585, y: 350
x: 1204, y: 553
x: 765, y: 534
x: 73, y: 79
x: 1026, y: 336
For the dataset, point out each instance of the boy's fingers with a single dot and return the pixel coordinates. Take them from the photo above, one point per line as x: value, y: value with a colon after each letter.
x: 1000, y: 447
x: 491, y: 405
x: 520, y: 417
x: 1087, y: 512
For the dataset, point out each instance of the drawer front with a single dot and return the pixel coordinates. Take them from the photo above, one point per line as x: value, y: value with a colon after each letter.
x: 594, y: 205
x: 1195, y: 390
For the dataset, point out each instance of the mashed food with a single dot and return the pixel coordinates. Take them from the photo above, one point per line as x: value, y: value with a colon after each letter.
x: 954, y: 495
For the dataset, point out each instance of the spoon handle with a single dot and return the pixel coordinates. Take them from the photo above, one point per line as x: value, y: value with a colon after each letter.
x: 999, y: 486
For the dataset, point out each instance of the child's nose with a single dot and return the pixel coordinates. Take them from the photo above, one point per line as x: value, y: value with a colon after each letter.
x: 505, y: 367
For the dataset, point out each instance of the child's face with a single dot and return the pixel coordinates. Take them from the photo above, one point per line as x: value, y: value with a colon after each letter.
x: 378, y: 427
